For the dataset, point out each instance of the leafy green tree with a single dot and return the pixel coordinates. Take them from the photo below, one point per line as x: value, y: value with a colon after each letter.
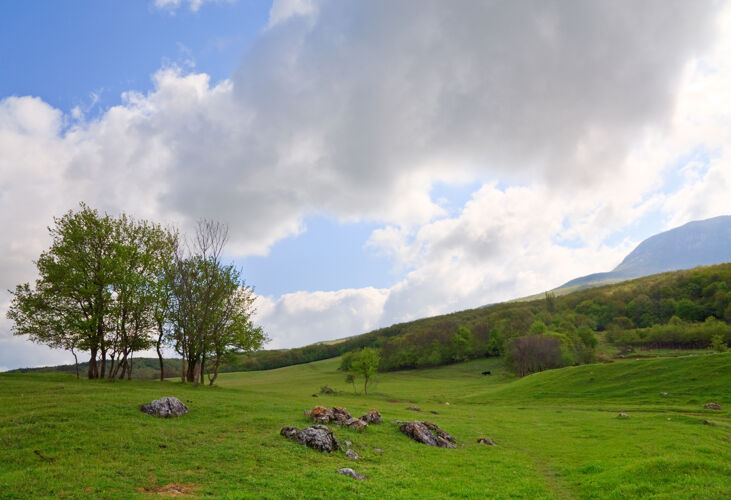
x: 211, y: 306
x: 718, y: 343
x: 69, y: 305
x: 365, y: 364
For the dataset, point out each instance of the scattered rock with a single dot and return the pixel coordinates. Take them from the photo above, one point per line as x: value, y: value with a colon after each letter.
x: 356, y: 424
x: 168, y: 406
x: 427, y: 433
x: 486, y: 441
x: 706, y: 422
x: 351, y: 455
x: 622, y: 415
x: 664, y: 394
x: 372, y: 417
x: 712, y: 406
x: 434, y: 412
x: 446, y: 403
x: 487, y: 372
x: 414, y: 408
x: 348, y: 444
x: 321, y: 415
x: 326, y: 390
x: 319, y: 437
x: 347, y: 471
x: 340, y: 415
x: 314, y: 395
x: 378, y: 450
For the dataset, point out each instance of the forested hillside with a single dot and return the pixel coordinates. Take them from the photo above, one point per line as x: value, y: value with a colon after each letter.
x: 682, y: 309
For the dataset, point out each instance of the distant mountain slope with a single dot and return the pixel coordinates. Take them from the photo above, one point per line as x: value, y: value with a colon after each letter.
x: 698, y: 243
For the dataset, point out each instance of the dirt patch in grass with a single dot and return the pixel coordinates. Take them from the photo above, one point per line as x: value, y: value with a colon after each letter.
x: 174, y: 490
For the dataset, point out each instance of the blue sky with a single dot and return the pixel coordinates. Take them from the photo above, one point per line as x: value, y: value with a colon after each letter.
x: 376, y: 162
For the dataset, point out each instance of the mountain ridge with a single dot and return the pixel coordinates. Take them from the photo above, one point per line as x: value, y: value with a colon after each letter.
x: 697, y: 243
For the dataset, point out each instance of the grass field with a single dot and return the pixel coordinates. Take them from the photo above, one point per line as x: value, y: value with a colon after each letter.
x: 557, y: 434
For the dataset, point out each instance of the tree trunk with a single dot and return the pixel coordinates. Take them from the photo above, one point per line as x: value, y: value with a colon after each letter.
x: 215, y: 370
x: 159, y: 354
x: 129, y: 370
x: 196, y: 372
x: 92, y: 364
x: 104, y: 363
x: 76, y: 362
x: 182, y: 370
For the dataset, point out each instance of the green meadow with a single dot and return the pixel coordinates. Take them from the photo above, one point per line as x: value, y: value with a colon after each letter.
x: 557, y: 434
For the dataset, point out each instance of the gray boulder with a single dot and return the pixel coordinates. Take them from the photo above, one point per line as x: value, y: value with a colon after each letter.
x: 351, y: 455
x: 318, y: 437
x: 427, y: 433
x: 347, y: 471
x: 168, y: 406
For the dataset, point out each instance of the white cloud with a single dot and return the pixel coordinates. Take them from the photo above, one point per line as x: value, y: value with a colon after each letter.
x: 304, y: 317
x: 356, y: 109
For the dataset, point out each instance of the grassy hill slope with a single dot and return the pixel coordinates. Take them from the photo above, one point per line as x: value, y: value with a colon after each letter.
x: 557, y: 434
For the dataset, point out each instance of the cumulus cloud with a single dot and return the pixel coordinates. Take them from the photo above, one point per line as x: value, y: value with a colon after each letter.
x: 571, y: 112
x: 304, y: 317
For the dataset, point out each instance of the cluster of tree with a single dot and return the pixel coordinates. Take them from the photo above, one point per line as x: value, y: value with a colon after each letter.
x: 115, y: 286
x: 676, y: 334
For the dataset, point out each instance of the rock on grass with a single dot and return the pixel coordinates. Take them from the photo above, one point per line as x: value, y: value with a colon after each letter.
x: 168, y: 406
x: 347, y: 471
x: 427, y: 433
x: 318, y: 437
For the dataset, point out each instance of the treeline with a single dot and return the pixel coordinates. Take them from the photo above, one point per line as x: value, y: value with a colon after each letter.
x: 140, y: 368
x: 660, y: 310
x: 113, y: 286
x: 676, y: 334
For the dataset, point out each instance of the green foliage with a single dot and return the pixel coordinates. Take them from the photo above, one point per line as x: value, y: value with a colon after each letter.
x: 719, y: 343
x: 365, y: 364
x: 96, y: 288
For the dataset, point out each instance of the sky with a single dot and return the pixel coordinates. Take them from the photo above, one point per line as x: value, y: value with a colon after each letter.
x: 376, y: 161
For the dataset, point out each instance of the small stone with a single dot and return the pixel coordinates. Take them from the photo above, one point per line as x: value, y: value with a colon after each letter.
x: 446, y: 403
x: 706, y: 422
x: 347, y: 471
x: 378, y: 450
x: 622, y: 415
x: 434, y: 412
x: 712, y: 406
x: 414, y: 408
x: 168, y: 406
x: 664, y: 394
x: 351, y: 454
x: 315, y: 396
x: 355, y: 424
x: 348, y: 444
x: 372, y: 417
x: 486, y: 441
